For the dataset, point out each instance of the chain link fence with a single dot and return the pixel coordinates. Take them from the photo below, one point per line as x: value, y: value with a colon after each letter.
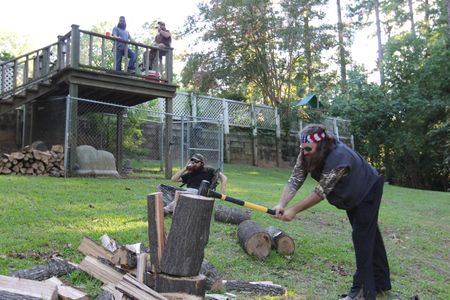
x: 134, y: 135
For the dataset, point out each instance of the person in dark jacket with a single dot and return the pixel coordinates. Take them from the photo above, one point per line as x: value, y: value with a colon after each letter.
x: 195, y: 171
x: 348, y: 182
x: 192, y: 176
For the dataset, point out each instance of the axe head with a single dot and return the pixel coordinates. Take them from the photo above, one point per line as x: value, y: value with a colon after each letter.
x: 204, y: 188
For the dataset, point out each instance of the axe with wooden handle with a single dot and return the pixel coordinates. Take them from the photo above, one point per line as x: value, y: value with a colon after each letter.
x: 204, y: 190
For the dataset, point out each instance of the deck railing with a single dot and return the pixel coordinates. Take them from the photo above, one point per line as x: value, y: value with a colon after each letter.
x: 81, y: 49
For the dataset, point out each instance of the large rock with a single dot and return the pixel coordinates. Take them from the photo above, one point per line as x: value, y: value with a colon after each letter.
x: 93, y: 162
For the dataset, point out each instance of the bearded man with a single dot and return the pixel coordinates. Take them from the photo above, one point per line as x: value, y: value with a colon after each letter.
x: 349, y: 183
x: 192, y: 176
x: 122, y: 33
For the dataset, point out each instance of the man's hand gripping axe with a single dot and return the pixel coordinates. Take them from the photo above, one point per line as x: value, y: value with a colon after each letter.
x: 205, y: 191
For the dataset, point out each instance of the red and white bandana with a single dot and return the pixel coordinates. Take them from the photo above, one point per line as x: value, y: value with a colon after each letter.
x: 312, y: 138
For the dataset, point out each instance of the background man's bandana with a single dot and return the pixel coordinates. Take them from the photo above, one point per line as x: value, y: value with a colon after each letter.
x: 312, y: 138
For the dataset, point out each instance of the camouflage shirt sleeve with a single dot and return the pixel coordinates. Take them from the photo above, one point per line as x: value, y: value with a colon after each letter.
x: 298, y: 174
x: 329, y: 180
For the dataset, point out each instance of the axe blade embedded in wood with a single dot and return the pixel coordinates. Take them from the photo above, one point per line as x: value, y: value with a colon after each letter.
x: 205, y: 191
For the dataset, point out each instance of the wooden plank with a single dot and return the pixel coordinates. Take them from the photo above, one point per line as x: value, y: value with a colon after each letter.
x: 28, y: 289
x: 91, y: 248
x: 130, y: 286
x: 100, y: 271
x: 156, y: 234
x: 141, y: 268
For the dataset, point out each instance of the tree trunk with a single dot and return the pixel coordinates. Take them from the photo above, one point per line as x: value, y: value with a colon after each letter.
x: 308, y: 51
x: 380, y: 49
x: 189, y: 233
x: 231, y: 215
x: 253, y: 239
x: 281, y: 242
x: 342, y: 60
x: 411, y: 17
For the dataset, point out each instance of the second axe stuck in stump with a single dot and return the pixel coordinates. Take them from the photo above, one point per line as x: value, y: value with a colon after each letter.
x: 205, y: 191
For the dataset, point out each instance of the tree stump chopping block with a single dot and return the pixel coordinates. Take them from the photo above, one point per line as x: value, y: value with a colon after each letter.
x: 195, y: 285
x: 188, y: 236
x: 281, y: 242
x: 231, y: 215
x: 156, y: 234
x: 254, y: 239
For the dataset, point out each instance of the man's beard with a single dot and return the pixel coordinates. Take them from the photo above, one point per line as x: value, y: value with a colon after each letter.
x: 122, y: 25
x: 314, y: 162
x: 194, y: 168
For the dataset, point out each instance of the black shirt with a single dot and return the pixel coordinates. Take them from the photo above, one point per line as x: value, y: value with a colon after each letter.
x: 193, y: 180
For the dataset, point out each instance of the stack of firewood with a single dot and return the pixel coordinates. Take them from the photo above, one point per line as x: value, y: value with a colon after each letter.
x: 30, y: 161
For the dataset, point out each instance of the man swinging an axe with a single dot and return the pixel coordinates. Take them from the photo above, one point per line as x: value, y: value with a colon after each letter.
x: 349, y: 183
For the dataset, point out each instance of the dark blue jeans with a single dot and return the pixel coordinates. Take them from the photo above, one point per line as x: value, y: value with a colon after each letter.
x: 372, y: 268
x: 131, y: 63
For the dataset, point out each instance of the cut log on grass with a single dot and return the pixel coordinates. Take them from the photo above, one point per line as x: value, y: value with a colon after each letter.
x: 102, y: 272
x: 188, y: 236
x: 194, y: 285
x: 254, y: 239
x: 213, y: 277
x: 156, y: 233
x: 281, y: 242
x: 91, y: 248
x: 231, y: 215
x: 254, y: 287
x: 55, y: 267
x: 12, y: 288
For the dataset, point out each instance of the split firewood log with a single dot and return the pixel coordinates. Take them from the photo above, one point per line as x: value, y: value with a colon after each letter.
x: 254, y: 239
x: 137, y: 290
x: 156, y: 233
x: 102, y: 272
x: 90, y: 247
x: 281, y: 242
x: 124, y: 257
x: 12, y: 288
x: 231, y: 215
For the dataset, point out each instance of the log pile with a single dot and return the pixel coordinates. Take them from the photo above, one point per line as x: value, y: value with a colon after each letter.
x: 30, y: 161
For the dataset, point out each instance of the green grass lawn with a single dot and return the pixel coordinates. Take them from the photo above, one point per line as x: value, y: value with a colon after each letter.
x: 41, y: 216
